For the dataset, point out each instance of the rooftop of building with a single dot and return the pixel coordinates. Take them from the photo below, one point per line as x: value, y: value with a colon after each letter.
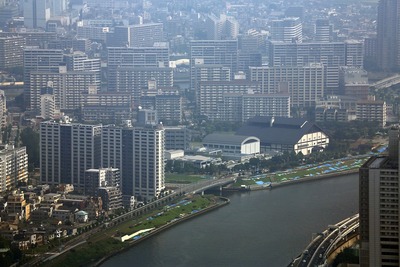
x: 278, y: 130
x: 229, y: 139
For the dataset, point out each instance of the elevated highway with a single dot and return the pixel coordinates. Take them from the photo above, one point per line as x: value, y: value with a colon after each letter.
x: 387, y: 82
x: 324, y: 248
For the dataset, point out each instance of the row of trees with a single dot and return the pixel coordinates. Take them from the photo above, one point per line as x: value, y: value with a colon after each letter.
x: 190, y: 168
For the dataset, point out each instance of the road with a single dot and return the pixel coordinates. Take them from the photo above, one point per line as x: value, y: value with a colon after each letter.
x: 327, y: 242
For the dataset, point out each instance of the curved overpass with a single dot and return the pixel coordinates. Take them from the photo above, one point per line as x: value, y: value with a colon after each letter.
x: 324, y: 248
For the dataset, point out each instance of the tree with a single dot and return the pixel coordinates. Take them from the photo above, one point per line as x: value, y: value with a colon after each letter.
x: 347, y: 256
x: 6, y: 133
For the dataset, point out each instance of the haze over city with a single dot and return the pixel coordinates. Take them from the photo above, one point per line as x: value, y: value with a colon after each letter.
x: 199, y: 133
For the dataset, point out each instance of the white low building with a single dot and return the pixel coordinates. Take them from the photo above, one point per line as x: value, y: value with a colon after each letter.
x: 174, y: 154
x: 232, y: 144
x: 286, y: 134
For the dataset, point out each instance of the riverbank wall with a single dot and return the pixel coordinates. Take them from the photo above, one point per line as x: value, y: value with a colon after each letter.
x: 222, y: 202
x: 313, y: 178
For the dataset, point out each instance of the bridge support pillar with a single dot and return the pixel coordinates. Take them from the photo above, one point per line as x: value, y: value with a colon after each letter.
x: 202, y: 193
x: 220, y: 188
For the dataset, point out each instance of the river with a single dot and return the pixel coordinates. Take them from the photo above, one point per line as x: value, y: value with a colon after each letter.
x: 259, y: 228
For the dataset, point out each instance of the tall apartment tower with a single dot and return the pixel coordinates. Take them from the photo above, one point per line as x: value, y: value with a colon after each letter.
x: 379, y: 207
x: 143, y: 161
x: 388, y: 35
x: 67, y: 151
x: 323, y: 30
x: 36, y: 13
x: 288, y: 30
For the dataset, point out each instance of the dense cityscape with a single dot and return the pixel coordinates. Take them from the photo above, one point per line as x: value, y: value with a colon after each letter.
x: 122, y: 118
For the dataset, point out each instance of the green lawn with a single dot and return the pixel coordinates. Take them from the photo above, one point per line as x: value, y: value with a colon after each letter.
x: 304, y: 171
x: 87, y: 253
x: 161, y: 216
x: 176, y: 178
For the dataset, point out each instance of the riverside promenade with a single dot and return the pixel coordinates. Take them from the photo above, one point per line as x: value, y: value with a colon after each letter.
x: 305, y: 173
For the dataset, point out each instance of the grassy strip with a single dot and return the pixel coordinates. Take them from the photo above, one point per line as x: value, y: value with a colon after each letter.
x: 104, y: 243
x: 88, y: 253
x: 304, y: 171
x: 183, y: 178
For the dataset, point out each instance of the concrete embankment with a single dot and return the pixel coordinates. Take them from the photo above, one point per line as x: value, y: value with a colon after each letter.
x: 313, y: 178
x: 222, y: 202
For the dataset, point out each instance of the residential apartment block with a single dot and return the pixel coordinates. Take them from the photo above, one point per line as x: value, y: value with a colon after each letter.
x: 211, y: 94
x: 214, y: 52
x: 11, y: 52
x: 41, y: 60
x: 330, y: 54
x: 135, y: 80
x: 13, y: 167
x: 106, y: 107
x: 241, y: 107
x: 305, y: 84
x: 371, y: 110
x: 135, y: 57
x: 67, y: 86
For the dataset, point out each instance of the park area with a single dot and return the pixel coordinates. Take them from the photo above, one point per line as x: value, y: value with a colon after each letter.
x: 176, y: 178
x: 310, y: 170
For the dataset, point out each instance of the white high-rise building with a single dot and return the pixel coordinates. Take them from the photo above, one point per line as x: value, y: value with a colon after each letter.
x: 3, y: 108
x: 139, y: 154
x: 143, y: 162
x: 222, y: 27
x: 47, y: 106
